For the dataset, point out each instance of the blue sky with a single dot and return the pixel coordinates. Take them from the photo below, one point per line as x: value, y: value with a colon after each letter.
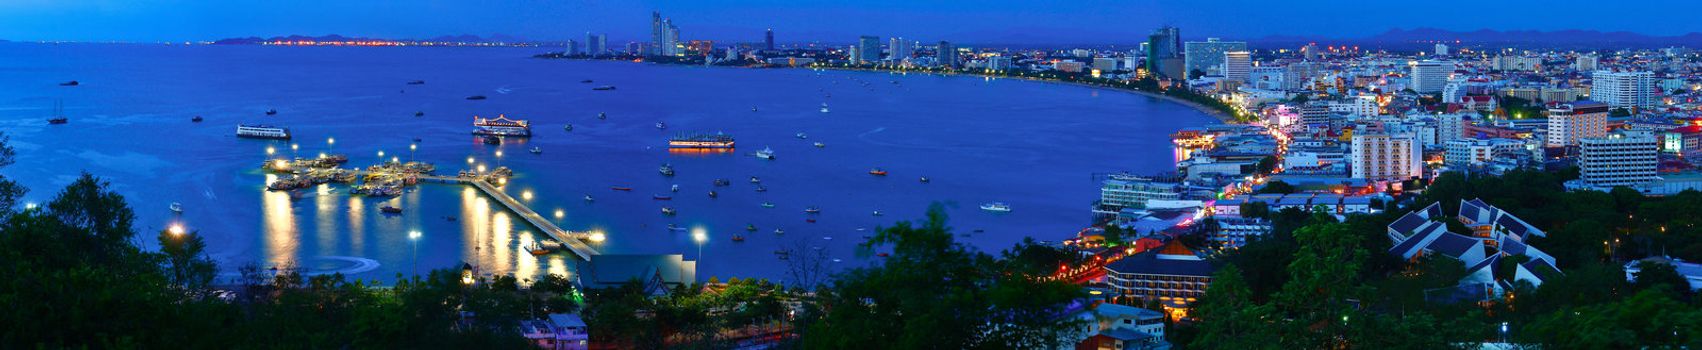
x: 986, y: 21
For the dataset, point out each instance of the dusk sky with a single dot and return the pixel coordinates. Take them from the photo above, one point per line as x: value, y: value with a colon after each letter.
x: 988, y: 21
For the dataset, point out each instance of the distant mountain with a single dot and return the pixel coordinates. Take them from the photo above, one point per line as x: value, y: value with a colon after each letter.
x: 464, y: 38
x: 1561, y: 38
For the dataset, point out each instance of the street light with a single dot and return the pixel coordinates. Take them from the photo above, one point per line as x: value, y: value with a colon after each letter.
x: 699, y: 236
x: 270, y: 150
x: 329, y: 143
x: 469, y: 160
x: 499, y: 157
x: 175, y: 229
x: 411, y: 148
x: 414, y: 237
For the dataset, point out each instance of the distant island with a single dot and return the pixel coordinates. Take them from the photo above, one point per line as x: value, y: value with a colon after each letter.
x: 340, y: 40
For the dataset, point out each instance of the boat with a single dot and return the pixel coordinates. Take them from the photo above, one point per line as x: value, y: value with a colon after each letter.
x: 390, y: 210
x: 767, y: 204
x: 760, y: 188
x: 661, y: 197
x: 700, y: 140
x: 58, y: 115
x: 876, y: 213
x: 177, y: 207
x: 661, y: 125
x: 536, y: 150
x: 666, y: 170
x: 492, y: 140
x: 417, y: 82
x: 810, y: 220
x: 196, y: 119
x: 476, y: 97
x: 877, y: 172
x: 722, y: 182
x: 923, y: 179
x: 673, y: 227
x: 668, y: 211
x: 824, y: 107
x: 753, y: 108
x: 676, y: 188
x: 262, y: 132
x: 802, y: 136
x: 538, y: 249
x: 813, y: 210
x: 750, y: 227
x: 820, y: 145
x: 602, y: 116
x: 416, y: 140
x: 765, y: 153
x: 271, y: 112
x: 501, y: 126
x: 996, y: 206
x: 604, y: 88
x: 738, y: 238
x: 70, y: 83
x: 755, y: 180
x: 586, y: 81
x: 779, y: 231
x: 589, y: 199
x: 57, y: 120
x: 449, y: 218
x: 781, y: 254
x: 419, y: 113
x: 712, y: 194
x: 627, y: 189
x: 568, y: 127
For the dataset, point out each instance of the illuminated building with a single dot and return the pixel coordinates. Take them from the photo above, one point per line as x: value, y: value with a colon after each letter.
x: 1570, y: 122
x: 1384, y: 157
x: 1624, y: 89
x: 1208, y: 57
x: 1429, y: 76
x: 1171, y: 275
x: 1621, y: 159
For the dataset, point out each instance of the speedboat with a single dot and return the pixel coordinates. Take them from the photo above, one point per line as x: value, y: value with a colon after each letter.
x: 767, y: 204
x: 820, y: 145
x: 661, y: 197
x: 666, y: 170
x: 536, y: 150
x: 660, y: 125
x: 813, y: 210
x: 668, y: 211
x: 996, y: 207
x: 765, y: 153
x: 676, y: 188
x: 271, y: 112
x: 390, y: 210
x: 755, y: 180
x: 176, y: 207
x: 589, y: 199
x: 568, y: 127
x: 602, y: 116
x: 802, y: 136
x: 877, y: 172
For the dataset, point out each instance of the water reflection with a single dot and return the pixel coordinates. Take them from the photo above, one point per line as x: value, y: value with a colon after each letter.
x: 278, y: 214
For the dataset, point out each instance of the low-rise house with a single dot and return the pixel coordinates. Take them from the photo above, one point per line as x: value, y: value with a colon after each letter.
x: 1494, y: 235
x: 558, y: 332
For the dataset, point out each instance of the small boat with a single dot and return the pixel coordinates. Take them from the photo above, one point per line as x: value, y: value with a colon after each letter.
x: 492, y: 140
x: 827, y: 238
x: 750, y: 227
x: 58, y: 120
x: 476, y: 97
x: 738, y: 238
x: 712, y: 194
x: 568, y: 127
x: 765, y: 153
x: 767, y: 204
x: 753, y: 108
x: 722, y: 182
x: 196, y: 119
x: 820, y: 145
x: 602, y: 116
x: 760, y: 188
x: 666, y: 170
x: 419, y: 113
x: 661, y: 125
x: 668, y: 211
x: 673, y: 227
x: 449, y: 218
x: 810, y: 220
x: 537, y: 249
x: 536, y: 150
x: 923, y: 179
x: 604, y: 88
x: 58, y: 114
x: 70, y: 83
x: 802, y: 136
x: 661, y: 197
x: 877, y: 172
x: 779, y: 231
x: 177, y: 207
x: 417, y: 82
x: 824, y: 109
x: 628, y: 189
x: 589, y: 199
x: 813, y: 210
x: 586, y: 81
x: 755, y: 180
x: 271, y: 112
x: 390, y: 210
x: 676, y: 188
x: 996, y: 207
x: 876, y: 213
x: 416, y: 140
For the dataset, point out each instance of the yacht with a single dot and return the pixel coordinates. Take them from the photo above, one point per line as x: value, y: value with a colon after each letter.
x: 196, y: 119
x: 820, y: 145
x: 765, y: 153
x: 602, y: 116
x: 58, y: 115
x: 262, y: 132
x: 660, y: 125
x: 756, y: 180
x: 767, y: 204
x: 501, y: 126
x: 996, y: 207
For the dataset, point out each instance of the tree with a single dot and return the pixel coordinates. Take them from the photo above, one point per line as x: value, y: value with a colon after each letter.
x: 1255, y: 209
x: 1229, y: 319
x: 1659, y: 275
x: 1277, y: 187
x: 1322, y: 278
x: 186, y: 262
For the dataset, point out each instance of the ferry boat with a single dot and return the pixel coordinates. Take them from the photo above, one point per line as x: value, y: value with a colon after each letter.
x: 604, y: 88
x: 501, y: 126
x: 262, y: 132
x: 877, y: 172
x: 666, y: 170
x: 765, y: 153
x: 716, y: 140
x: 997, y: 207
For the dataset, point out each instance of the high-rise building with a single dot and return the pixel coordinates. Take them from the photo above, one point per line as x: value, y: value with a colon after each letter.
x: 1207, y: 57
x: 1570, y: 122
x: 1298, y: 75
x: 1384, y: 157
x: 768, y: 40
x: 868, y: 49
x: 664, y: 36
x: 1450, y: 127
x: 1164, y: 45
x: 1311, y: 50
x: 1105, y: 64
x: 1441, y: 50
x: 596, y: 44
x: 900, y: 49
x: 1624, y: 89
x: 1621, y: 159
x: 1585, y: 63
x: 1237, y: 65
x: 946, y: 54
x: 999, y: 63
x: 572, y: 47
x: 1429, y: 76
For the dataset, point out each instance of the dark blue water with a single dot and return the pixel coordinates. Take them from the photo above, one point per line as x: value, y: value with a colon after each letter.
x: 1032, y: 145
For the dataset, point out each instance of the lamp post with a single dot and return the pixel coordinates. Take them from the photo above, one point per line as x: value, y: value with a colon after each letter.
x: 411, y: 148
x: 293, y: 148
x: 699, y: 236
x: 499, y: 158
x: 380, y: 156
x: 330, y: 144
x: 414, y: 237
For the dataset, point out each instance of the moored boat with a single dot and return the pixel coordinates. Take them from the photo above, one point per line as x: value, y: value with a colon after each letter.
x: 699, y: 140
x: 666, y: 170
x: 476, y: 97
x: 627, y: 189
x: 604, y: 88
x: 176, y: 207
x: 390, y: 210
x: 501, y: 126
x: 765, y: 153
x: 877, y: 172
x: 996, y: 207
x: 262, y: 132
x: 536, y: 150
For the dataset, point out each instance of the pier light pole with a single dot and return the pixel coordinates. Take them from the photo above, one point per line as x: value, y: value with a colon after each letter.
x: 499, y: 158
x: 330, y: 143
x: 411, y: 148
x: 293, y: 148
x: 699, y: 236
x: 414, y: 237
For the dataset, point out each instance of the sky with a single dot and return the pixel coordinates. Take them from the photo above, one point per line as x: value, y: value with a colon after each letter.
x: 985, y: 21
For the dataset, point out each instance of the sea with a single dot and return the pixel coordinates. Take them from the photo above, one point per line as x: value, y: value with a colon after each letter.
x: 1038, y: 147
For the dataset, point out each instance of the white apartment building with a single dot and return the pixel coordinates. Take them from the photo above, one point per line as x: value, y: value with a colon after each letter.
x: 1384, y: 157
x: 1237, y: 65
x: 1429, y: 76
x: 1624, y: 89
x: 1621, y: 159
x: 1570, y: 122
x: 1468, y: 152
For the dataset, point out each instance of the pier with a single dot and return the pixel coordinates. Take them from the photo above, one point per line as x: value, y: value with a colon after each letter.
x: 567, y: 239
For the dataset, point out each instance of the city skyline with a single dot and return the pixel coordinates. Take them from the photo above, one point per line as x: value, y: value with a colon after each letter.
x: 1003, y: 22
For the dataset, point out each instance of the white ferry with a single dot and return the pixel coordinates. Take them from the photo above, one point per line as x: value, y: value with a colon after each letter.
x: 501, y: 126
x: 262, y: 132
x: 996, y: 206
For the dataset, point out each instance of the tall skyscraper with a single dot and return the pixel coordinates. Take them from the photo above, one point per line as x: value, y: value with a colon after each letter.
x: 1384, y: 157
x: 868, y: 49
x: 664, y: 36
x: 1164, y: 49
x: 900, y: 49
x: 1429, y: 76
x: 1207, y: 57
x: 1622, y: 159
x: 1237, y: 65
x: 656, y: 34
x: 572, y: 47
x: 1624, y: 89
x: 768, y: 40
x: 596, y: 44
x: 946, y: 54
x: 1570, y: 122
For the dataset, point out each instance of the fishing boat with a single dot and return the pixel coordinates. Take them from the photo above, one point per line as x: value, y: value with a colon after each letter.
x: 675, y: 188
x: 586, y: 81
x: 501, y: 126
x: 536, y: 150
x: 877, y: 172
x: 58, y: 115
x: 666, y: 170
x: 627, y: 189
x: 492, y: 140
x: 750, y: 227
x: 760, y: 188
x: 419, y: 113
x: 568, y: 127
x: 537, y: 249
x: 271, y: 112
x: 70, y: 83
x: 668, y: 211
x: 712, y: 194
x: 876, y: 213
x: 589, y: 199
x: 765, y: 153
x: 755, y: 180
x: 661, y: 125
x: 813, y: 210
x: 779, y: 231
x: 177, y: 207
x: 801, y: 136
x: 722, y: 182
x: 602, y: 116
x: 820, y: 145
x: 738, y: 238
x: 604, y: 88
x: 476, y: 97
x: 661, y: 197
x: 996, y: 207
x: 923, y: 179
x: 196, y: 119
x: 390, y: 210
x: 417, y: 82
x: 767, y: 204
